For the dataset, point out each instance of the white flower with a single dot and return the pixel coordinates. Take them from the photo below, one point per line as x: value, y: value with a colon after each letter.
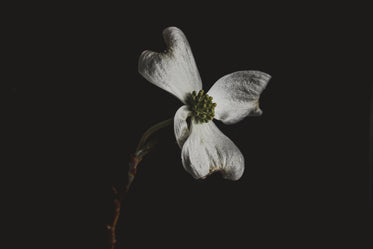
x: 205, y: 148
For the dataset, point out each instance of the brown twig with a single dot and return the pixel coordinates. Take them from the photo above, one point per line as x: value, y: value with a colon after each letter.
x: 118, y: 197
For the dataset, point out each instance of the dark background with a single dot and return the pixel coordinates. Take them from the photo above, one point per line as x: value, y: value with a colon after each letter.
x: 306, y: 158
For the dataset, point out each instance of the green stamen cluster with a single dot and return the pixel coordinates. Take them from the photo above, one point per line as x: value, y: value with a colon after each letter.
x: 201, y: 106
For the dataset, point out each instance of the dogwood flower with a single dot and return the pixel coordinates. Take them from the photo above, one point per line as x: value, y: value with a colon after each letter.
x: 204, y: 148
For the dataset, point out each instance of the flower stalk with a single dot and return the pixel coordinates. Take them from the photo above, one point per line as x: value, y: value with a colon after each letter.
x: 144, y: 147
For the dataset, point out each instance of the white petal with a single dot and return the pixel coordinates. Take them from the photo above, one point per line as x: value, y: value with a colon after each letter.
x: 181, y: 126
x: 173, y: 70
x: 207, y: 150
x: 237, y: 95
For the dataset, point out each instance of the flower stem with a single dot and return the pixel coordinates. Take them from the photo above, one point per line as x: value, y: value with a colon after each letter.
x: 150, y: 131
x: 143, y: 148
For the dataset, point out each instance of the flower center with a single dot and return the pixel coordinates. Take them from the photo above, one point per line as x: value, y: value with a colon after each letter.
x: 201, y: 106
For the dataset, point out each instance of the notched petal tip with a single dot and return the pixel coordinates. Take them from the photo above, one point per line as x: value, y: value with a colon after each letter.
x: 257, y: 111
x: 208, y: 150
x: 173, y: 70
x: 232, y: 173
x: 237, y: 95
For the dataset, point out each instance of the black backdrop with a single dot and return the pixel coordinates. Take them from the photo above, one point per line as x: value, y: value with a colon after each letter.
x: 307, y: 157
